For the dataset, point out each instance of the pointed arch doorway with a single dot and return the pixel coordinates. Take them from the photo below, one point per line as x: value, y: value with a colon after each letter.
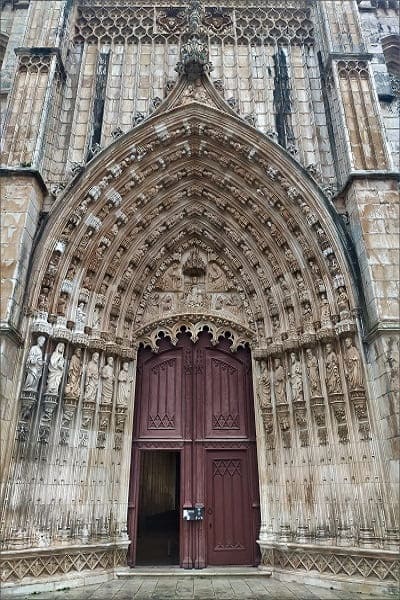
x: 194, y: 434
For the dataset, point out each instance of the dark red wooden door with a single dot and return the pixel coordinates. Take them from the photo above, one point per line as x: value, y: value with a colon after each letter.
x: 229, y: 508
x: 197, y: 399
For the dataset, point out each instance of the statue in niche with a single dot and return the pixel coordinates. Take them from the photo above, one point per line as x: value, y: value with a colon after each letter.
x: 308, y: 325
x: 43, y: 302
x: 296, y: 379
x: 166, y: 303
x: 292, y: 322
x: 96, y: 317
x: 87, y: 282
x: 325, y: 313
x: 313, y: 373
x: 127, y: 328
x: 55, y: 370
x: 333, y: 382
x: 124, y: 385
x: 343, y: 303
x: 276, y: 326
x: 72, y: 389
x: 279, y: 382
x: 71, y: 271
x: 352, y: 361
x: 34, y: 365
x: 80, y: 317
x: 107, y: 376
x: 62, y: 305
x: 112, y: 325
x: 92, y: 378
x: 264, y: 388
x: 300, y: 283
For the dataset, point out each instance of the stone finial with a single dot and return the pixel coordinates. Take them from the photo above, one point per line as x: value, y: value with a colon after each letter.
x: 194, y: 56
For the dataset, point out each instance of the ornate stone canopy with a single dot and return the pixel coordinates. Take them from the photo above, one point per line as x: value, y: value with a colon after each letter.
x: 192, y: 178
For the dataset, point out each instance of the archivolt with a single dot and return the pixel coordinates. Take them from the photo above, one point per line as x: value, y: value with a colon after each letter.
x: 193, y: 178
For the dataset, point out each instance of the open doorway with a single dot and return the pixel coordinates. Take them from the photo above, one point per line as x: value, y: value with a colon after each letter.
x: 158, y: 516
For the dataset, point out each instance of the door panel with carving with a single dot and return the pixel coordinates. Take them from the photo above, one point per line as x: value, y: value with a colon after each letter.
x: 229, y: 508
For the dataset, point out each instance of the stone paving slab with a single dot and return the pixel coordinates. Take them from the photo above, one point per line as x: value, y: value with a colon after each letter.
x: 197, y: 588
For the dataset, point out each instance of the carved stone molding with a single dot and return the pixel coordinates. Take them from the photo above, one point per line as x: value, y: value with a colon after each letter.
x: 42, y: 563
x: 354, y: 564
x: 194, y: 323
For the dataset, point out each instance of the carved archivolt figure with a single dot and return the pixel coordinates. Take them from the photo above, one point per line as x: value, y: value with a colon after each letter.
x: 325, y: 312
x: 264, y: 388
x: 313, y: 373
x: 96, y: 317
x: 291, y: 321
x: 308, y: 318
x: 279, y: 382
x: 333, y: 382
x: 352, y: 361
x: 34, y: 365
x: 124, y: 385
x: 56, y: 368
x: 296, y: 379
x: 343, y: 303
x: 107, y: 376
x: 72, y: 389
x: 92, y: 378
x: 80, y: 318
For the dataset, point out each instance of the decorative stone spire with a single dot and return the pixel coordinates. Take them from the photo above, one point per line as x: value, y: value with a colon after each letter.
x: 194, y: 56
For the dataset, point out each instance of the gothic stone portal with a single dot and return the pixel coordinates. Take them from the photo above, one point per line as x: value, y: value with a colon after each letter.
x: 196, y: 399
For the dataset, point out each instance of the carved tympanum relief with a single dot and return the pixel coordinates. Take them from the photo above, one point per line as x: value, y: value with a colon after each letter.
x: 194, y: 283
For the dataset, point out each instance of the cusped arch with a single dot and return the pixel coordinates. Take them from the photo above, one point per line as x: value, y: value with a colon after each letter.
x: 193, y: 177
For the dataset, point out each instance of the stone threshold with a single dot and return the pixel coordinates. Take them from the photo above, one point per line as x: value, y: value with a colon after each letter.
x: 176, y: 571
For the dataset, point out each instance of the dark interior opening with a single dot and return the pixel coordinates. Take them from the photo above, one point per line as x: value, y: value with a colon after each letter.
x: 158, y: 517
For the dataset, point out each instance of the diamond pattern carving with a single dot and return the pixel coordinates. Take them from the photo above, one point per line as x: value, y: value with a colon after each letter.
x: 223, y: 467
x: 387, y: 569
x: 161, y: 422
x: 15, y: 568
x: 225, y: 422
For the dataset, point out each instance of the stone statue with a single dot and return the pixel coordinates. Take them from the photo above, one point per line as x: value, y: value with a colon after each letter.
x: 279, y: 382
x: 107, y: 376
x: 96, y: 317
x: 92, y: 378
x: 292, y: 322
x: 124, y: 385
x: 296, y: 379
x: 308, y: 326
x: 72, y: 389
x: 264, y: 387
x: 34, y: 365
x: 352, y: 360
x: 80, y: 317
x: 325, y: 313
x: 343, y: 303
x: 313, y: 374
x: 56, y: 368
x: 333, y: 382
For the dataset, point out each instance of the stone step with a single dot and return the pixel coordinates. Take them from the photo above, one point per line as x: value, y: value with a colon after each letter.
x: 175, y: 571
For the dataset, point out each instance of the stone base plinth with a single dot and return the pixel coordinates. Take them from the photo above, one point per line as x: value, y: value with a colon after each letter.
x: 352, y: 569
x: 50, y: 569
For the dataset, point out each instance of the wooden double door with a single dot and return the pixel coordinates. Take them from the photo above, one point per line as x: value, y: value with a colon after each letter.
x: 195, y: 400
